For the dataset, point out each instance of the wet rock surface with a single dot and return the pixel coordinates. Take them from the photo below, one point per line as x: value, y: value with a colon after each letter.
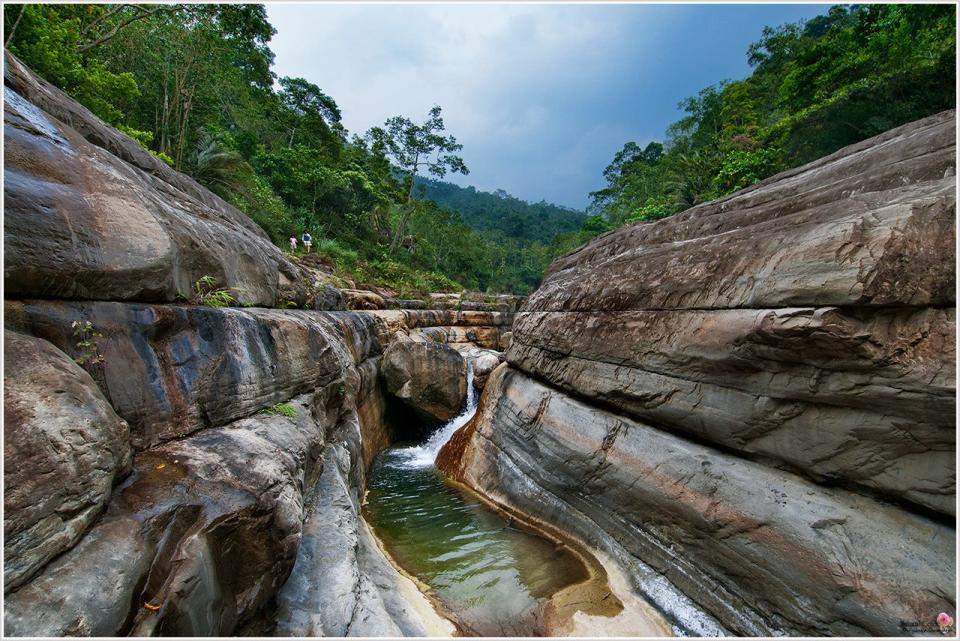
x: 484, y: 362
x: 750, y: 405
x: 341, y: 585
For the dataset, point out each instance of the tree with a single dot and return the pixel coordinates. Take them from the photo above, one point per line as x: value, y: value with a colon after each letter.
x: 309, y: 109
x: 219, y: 168
x: 414, y: 147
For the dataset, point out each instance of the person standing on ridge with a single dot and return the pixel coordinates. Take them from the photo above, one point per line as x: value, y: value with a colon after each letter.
x: 307, y: 242
x: 293, y: 244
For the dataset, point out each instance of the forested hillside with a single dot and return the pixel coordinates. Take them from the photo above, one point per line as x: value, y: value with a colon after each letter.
x: 816, y: 87
x: 194, y: 85
x: 501, y: 214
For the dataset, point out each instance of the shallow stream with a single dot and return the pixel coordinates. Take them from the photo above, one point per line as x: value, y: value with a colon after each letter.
x: 491, y: 577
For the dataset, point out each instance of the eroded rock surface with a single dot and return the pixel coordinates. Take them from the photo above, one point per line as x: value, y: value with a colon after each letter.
x: 89, y: 214
x: 429, y: 378
x: 342, y: 585
x: 720, y: 528
x: 752, y: 403
x: 64, y: 448
x: 199, y: 538
x: 171, y: 370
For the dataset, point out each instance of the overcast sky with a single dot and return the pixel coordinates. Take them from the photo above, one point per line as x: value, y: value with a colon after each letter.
x: 540, y: 96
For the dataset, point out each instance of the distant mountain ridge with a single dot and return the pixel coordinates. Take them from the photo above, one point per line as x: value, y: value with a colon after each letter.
x: 499, y: 213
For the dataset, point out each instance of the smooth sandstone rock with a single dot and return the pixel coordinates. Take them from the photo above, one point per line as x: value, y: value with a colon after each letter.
x: 207, y: 528
x: 194, y: 543
x: 861, y: 398
x: 64, y: 448
x: 429, y: 378
x: 870, y: 225
x: 341, y: 584
x: 91, y: 215
x: 764, y: 551
x: 807, y: 321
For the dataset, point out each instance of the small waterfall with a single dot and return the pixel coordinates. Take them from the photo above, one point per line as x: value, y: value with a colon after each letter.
x: 425, y: 455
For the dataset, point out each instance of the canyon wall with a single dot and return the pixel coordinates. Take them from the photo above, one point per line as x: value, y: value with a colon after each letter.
x: 177, y: 469
x: 750, y: 406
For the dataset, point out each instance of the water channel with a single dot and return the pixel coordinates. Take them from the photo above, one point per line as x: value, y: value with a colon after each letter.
x: 489, y: 575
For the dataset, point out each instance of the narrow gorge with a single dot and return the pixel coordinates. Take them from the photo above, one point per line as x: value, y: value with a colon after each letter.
x: 735, y: 421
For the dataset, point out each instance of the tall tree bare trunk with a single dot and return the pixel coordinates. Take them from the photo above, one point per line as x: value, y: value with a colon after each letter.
x: 409, y: 209
x: 181, y: 137
x: 13, y: 29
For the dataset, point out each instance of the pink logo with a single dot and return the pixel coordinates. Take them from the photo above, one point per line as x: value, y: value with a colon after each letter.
x: 944, y: 620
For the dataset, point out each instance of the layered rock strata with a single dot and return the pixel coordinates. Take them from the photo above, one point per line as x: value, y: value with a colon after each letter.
x: 752, y: 403
x: 254, y: 429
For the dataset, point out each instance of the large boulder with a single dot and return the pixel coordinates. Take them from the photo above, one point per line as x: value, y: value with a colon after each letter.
x: 195, y: 543
x: 363, y: 299
x: 754, y: 399
x: 89, y: 214
x: 64, y: 448
x: 483, y: 361
x: 429, y: 378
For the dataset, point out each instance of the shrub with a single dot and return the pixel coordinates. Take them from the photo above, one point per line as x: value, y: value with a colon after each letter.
x: 283, y: 409
x: 342, y: 256
x: 87, y: 343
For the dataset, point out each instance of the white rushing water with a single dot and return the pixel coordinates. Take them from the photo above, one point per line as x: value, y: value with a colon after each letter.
x: 425, y: 454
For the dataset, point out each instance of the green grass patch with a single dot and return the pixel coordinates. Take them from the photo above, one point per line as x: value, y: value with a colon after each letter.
x: 283, y: 409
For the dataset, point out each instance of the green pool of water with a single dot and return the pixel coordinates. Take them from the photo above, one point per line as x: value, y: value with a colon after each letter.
x: 491, y: 577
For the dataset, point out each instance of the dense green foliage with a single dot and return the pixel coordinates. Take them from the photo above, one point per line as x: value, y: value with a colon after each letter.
x: 502, y: 215
x: 816, y: 87
x: 193, y: 84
